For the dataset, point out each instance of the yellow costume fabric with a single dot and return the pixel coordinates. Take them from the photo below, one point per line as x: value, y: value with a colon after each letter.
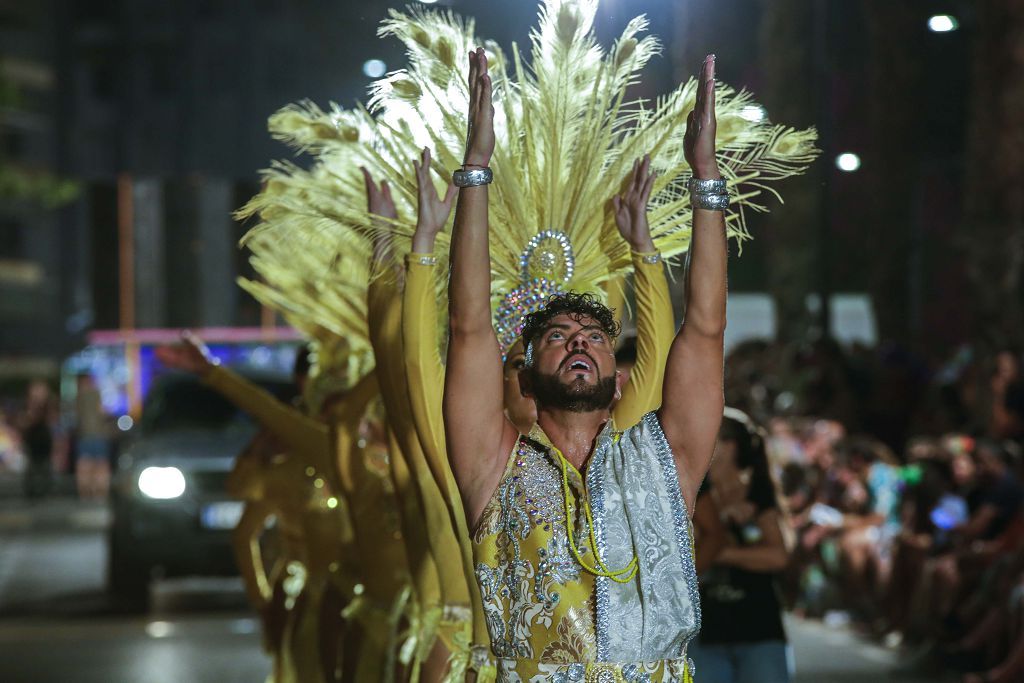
x: 655, y: 330
x: 535, y: 554
x: 366, y: 481
x: 295, y: 486
x: 308, y: 438
x: 443, y: 609
x: 425, y: 383
x: 247, y: 481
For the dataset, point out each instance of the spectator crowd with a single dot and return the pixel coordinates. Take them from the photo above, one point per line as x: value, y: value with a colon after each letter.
x: 902, y: 492
x: 874, y: 488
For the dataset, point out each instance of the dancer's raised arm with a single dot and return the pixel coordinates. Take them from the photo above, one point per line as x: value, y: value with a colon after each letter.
x: 475, y: 424
x: 693, y: 396
x: 654, y: 322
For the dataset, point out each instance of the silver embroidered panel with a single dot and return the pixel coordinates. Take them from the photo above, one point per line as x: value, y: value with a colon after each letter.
x: 638, y: 508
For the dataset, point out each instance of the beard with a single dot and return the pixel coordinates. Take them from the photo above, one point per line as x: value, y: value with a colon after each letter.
x: 576, y: 396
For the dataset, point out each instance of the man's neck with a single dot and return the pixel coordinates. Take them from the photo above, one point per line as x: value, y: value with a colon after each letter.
x: 572, y: 433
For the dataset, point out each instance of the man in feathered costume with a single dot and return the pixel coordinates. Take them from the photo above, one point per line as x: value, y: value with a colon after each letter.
x: 565, y: 142
x: 585, y: 577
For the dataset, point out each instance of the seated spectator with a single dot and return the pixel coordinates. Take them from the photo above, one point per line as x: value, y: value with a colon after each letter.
x: 741, y: 547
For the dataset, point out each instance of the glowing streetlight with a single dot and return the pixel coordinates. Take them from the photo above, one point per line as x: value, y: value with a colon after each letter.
x: 374, y: 68
x: 848, y: 162
x: 942, y: 23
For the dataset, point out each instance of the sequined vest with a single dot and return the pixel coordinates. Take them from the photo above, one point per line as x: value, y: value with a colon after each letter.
x: 556, y: 609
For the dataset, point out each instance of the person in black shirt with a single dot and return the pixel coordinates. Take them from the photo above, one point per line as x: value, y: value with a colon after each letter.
x: 741, y: 545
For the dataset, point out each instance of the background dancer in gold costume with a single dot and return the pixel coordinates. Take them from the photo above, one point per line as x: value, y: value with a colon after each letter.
x: 439, y: 620
x: 297, y: 485
x: 327, y: 300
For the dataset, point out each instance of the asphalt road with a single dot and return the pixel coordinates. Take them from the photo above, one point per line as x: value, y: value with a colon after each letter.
x: 57, y: 626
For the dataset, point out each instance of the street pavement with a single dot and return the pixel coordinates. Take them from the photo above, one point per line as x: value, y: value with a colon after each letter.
x: 57, y: 625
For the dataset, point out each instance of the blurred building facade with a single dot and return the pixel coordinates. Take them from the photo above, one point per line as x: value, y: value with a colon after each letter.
x: 167, y: 125
x: 33, y: 302
x: 158, y: 111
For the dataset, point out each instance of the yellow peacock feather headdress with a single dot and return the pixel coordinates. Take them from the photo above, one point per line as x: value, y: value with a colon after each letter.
x: 320, y: 291
x: 566, y: 139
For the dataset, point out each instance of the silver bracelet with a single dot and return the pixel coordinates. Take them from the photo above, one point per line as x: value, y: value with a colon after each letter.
x: 711, y: 202
x: 426, y: 260
x: 651, y: 259
x: 472, y: 177
x: 705, y: 186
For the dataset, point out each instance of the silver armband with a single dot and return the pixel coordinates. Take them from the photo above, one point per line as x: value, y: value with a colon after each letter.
x: 472, y: 177
x: 711, y: 202
x: 712, y: 195
x: 702, y: 186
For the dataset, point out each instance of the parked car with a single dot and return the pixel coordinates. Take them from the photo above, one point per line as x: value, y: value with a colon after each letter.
x: 171, y: 512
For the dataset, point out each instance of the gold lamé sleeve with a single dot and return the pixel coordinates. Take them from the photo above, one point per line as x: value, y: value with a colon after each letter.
x: 384, y: 317
x: 615, y: 295
x: 655, y: 329
x: 422, y: 360
x: 300, y: 434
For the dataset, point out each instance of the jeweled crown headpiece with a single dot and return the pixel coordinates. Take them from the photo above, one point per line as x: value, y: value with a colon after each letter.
x: 546, y: 267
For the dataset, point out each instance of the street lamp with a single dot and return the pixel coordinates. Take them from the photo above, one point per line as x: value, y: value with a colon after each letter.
x: 848, y: 162
x: 374, y: 68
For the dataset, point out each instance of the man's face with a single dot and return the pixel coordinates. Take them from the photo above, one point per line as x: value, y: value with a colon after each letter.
x: 573, y: 366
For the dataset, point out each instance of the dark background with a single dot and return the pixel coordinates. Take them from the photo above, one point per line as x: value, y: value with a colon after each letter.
x: 177, y: 95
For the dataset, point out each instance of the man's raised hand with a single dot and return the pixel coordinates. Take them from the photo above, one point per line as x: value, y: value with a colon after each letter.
x: 480, y: 138
x: 699, y: 141
x: 433, y: 210
x: 631, y: 206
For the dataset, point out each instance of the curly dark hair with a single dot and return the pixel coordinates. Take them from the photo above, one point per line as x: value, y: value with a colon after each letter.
x: 576, y: 305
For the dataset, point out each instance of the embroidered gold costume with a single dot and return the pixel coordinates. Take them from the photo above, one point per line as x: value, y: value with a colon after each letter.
x: 552, y: 614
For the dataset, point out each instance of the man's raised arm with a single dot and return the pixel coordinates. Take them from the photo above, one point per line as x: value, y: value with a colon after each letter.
x: 475, y: 425
x: 693, y: 396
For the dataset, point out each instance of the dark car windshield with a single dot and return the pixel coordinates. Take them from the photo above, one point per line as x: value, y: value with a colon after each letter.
x: 179, y: 402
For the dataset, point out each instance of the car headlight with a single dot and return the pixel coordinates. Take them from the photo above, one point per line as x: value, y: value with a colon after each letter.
x: 162, y: 482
